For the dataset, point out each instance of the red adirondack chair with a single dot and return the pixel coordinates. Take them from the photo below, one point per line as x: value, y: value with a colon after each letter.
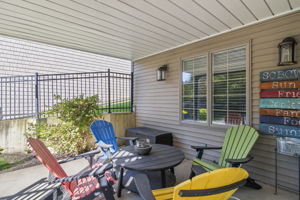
x: 85, y: 185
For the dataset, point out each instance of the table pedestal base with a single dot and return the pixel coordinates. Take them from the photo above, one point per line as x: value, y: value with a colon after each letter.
x: 155, y: 179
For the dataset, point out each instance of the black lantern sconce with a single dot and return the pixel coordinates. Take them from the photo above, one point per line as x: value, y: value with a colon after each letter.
x: 287, y: 51
x: 161, y: 73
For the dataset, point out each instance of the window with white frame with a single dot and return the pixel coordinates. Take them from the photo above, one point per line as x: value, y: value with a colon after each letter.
x: 194, y: 88
x: 228, y: 88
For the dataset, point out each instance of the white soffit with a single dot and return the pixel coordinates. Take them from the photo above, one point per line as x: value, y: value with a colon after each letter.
x: 132, y: 29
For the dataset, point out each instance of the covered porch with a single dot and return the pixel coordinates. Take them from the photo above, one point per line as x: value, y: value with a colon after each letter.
x: 212, y: 54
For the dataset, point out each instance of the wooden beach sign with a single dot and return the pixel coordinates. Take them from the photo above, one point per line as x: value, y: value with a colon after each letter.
x: 280, y: 103
x: 284, y: 103
x: 289, y: 121
x: 280, y: 75
x: 280, y: 130
x: 279, y: 112
x: 280, y: 85
x: 280, y: 94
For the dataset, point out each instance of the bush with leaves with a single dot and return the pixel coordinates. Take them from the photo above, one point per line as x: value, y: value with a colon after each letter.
x: 70, y: 135
x: 203, y: 114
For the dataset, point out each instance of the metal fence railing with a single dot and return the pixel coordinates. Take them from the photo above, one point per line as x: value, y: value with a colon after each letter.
x: 31, y: 95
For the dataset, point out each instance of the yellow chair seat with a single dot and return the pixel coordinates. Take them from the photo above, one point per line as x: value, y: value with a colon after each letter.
x: 209, y: 180
x: 206, y: 165
x: 164, y: 193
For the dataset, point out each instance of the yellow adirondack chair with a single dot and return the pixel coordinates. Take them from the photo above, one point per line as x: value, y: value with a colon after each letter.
x: 215, y: 185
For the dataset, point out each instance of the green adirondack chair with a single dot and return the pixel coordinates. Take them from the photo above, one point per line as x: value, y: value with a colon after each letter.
x: 238, y: 143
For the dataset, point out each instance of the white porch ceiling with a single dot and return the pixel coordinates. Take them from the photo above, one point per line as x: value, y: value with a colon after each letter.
x: 132, y: 29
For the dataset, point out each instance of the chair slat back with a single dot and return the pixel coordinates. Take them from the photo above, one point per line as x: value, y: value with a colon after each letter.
x: 238, y: 142
x: 48, y: 160
x: 44, y: 155
x: 214, y: 179
x: 104, y: 132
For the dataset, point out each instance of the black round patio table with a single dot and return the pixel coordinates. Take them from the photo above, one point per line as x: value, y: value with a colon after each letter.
x: 161, y: 158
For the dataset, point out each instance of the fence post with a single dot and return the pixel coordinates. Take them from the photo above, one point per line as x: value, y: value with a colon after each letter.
x: 131, y: 93
x: 37, y: 104
x: 108, y: 84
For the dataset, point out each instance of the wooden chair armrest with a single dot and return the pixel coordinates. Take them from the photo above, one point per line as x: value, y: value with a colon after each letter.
x: 237, y: 162
x: 200, y: 149
x: 84, y: 155
x: 96, y: 172
x: 130, y: 139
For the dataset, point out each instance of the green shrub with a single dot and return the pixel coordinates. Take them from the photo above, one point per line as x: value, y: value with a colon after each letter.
x: 1, y: 150
x: 203, y: 114
x: 70, y: 135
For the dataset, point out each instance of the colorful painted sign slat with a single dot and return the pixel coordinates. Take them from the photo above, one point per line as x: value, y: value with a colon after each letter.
x: 280, y: 94
x: 284, y: 103
x: 289, y: 121
x: 280, y: 130
x: 280, y: 85
x: 279, y: 112
x: 280, y: 75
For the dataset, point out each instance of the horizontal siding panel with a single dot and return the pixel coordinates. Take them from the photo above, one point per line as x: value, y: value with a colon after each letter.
x: 21, y: 57
x: 154, y: 99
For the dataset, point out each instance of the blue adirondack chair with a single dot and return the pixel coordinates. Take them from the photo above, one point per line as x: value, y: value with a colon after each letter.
x: 107, y: 141
x: 104, y: 134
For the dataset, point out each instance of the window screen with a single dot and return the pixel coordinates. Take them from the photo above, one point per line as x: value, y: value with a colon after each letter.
x: 229, y: 87
x: 194, y: 92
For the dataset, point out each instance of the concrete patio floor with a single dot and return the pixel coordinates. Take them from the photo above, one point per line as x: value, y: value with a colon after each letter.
x: 12, y: 182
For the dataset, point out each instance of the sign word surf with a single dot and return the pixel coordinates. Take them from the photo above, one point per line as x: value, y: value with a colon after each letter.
x: 280, y: 130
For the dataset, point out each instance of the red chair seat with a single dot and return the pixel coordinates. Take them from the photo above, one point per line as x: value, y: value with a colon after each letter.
x: 84, y: 187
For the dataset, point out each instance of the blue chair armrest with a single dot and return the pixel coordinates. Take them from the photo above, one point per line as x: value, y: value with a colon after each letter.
x: 130, y: 139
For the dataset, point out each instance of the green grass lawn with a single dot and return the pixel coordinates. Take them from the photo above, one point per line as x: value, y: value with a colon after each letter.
x: 116, y: 107
x: 4, y: 165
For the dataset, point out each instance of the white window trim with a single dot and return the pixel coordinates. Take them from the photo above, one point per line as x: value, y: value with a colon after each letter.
x: 192, y: 122
x: 208, y: 55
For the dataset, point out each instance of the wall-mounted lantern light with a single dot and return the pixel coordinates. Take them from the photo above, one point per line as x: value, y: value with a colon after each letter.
x: 161, y: 73
x: 287, y: 55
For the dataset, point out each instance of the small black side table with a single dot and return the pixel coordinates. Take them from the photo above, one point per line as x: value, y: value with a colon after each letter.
x: 161, y: 158
x: 154, y: 135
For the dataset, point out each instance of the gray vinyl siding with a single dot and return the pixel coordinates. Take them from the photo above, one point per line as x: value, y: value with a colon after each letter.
x: 21, y: 57
x: 157, y: 103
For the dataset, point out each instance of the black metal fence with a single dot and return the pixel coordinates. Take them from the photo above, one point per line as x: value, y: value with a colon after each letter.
x: 31, y: 95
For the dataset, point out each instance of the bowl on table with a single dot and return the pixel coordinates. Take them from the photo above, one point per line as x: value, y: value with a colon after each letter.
x: 143, y: 146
